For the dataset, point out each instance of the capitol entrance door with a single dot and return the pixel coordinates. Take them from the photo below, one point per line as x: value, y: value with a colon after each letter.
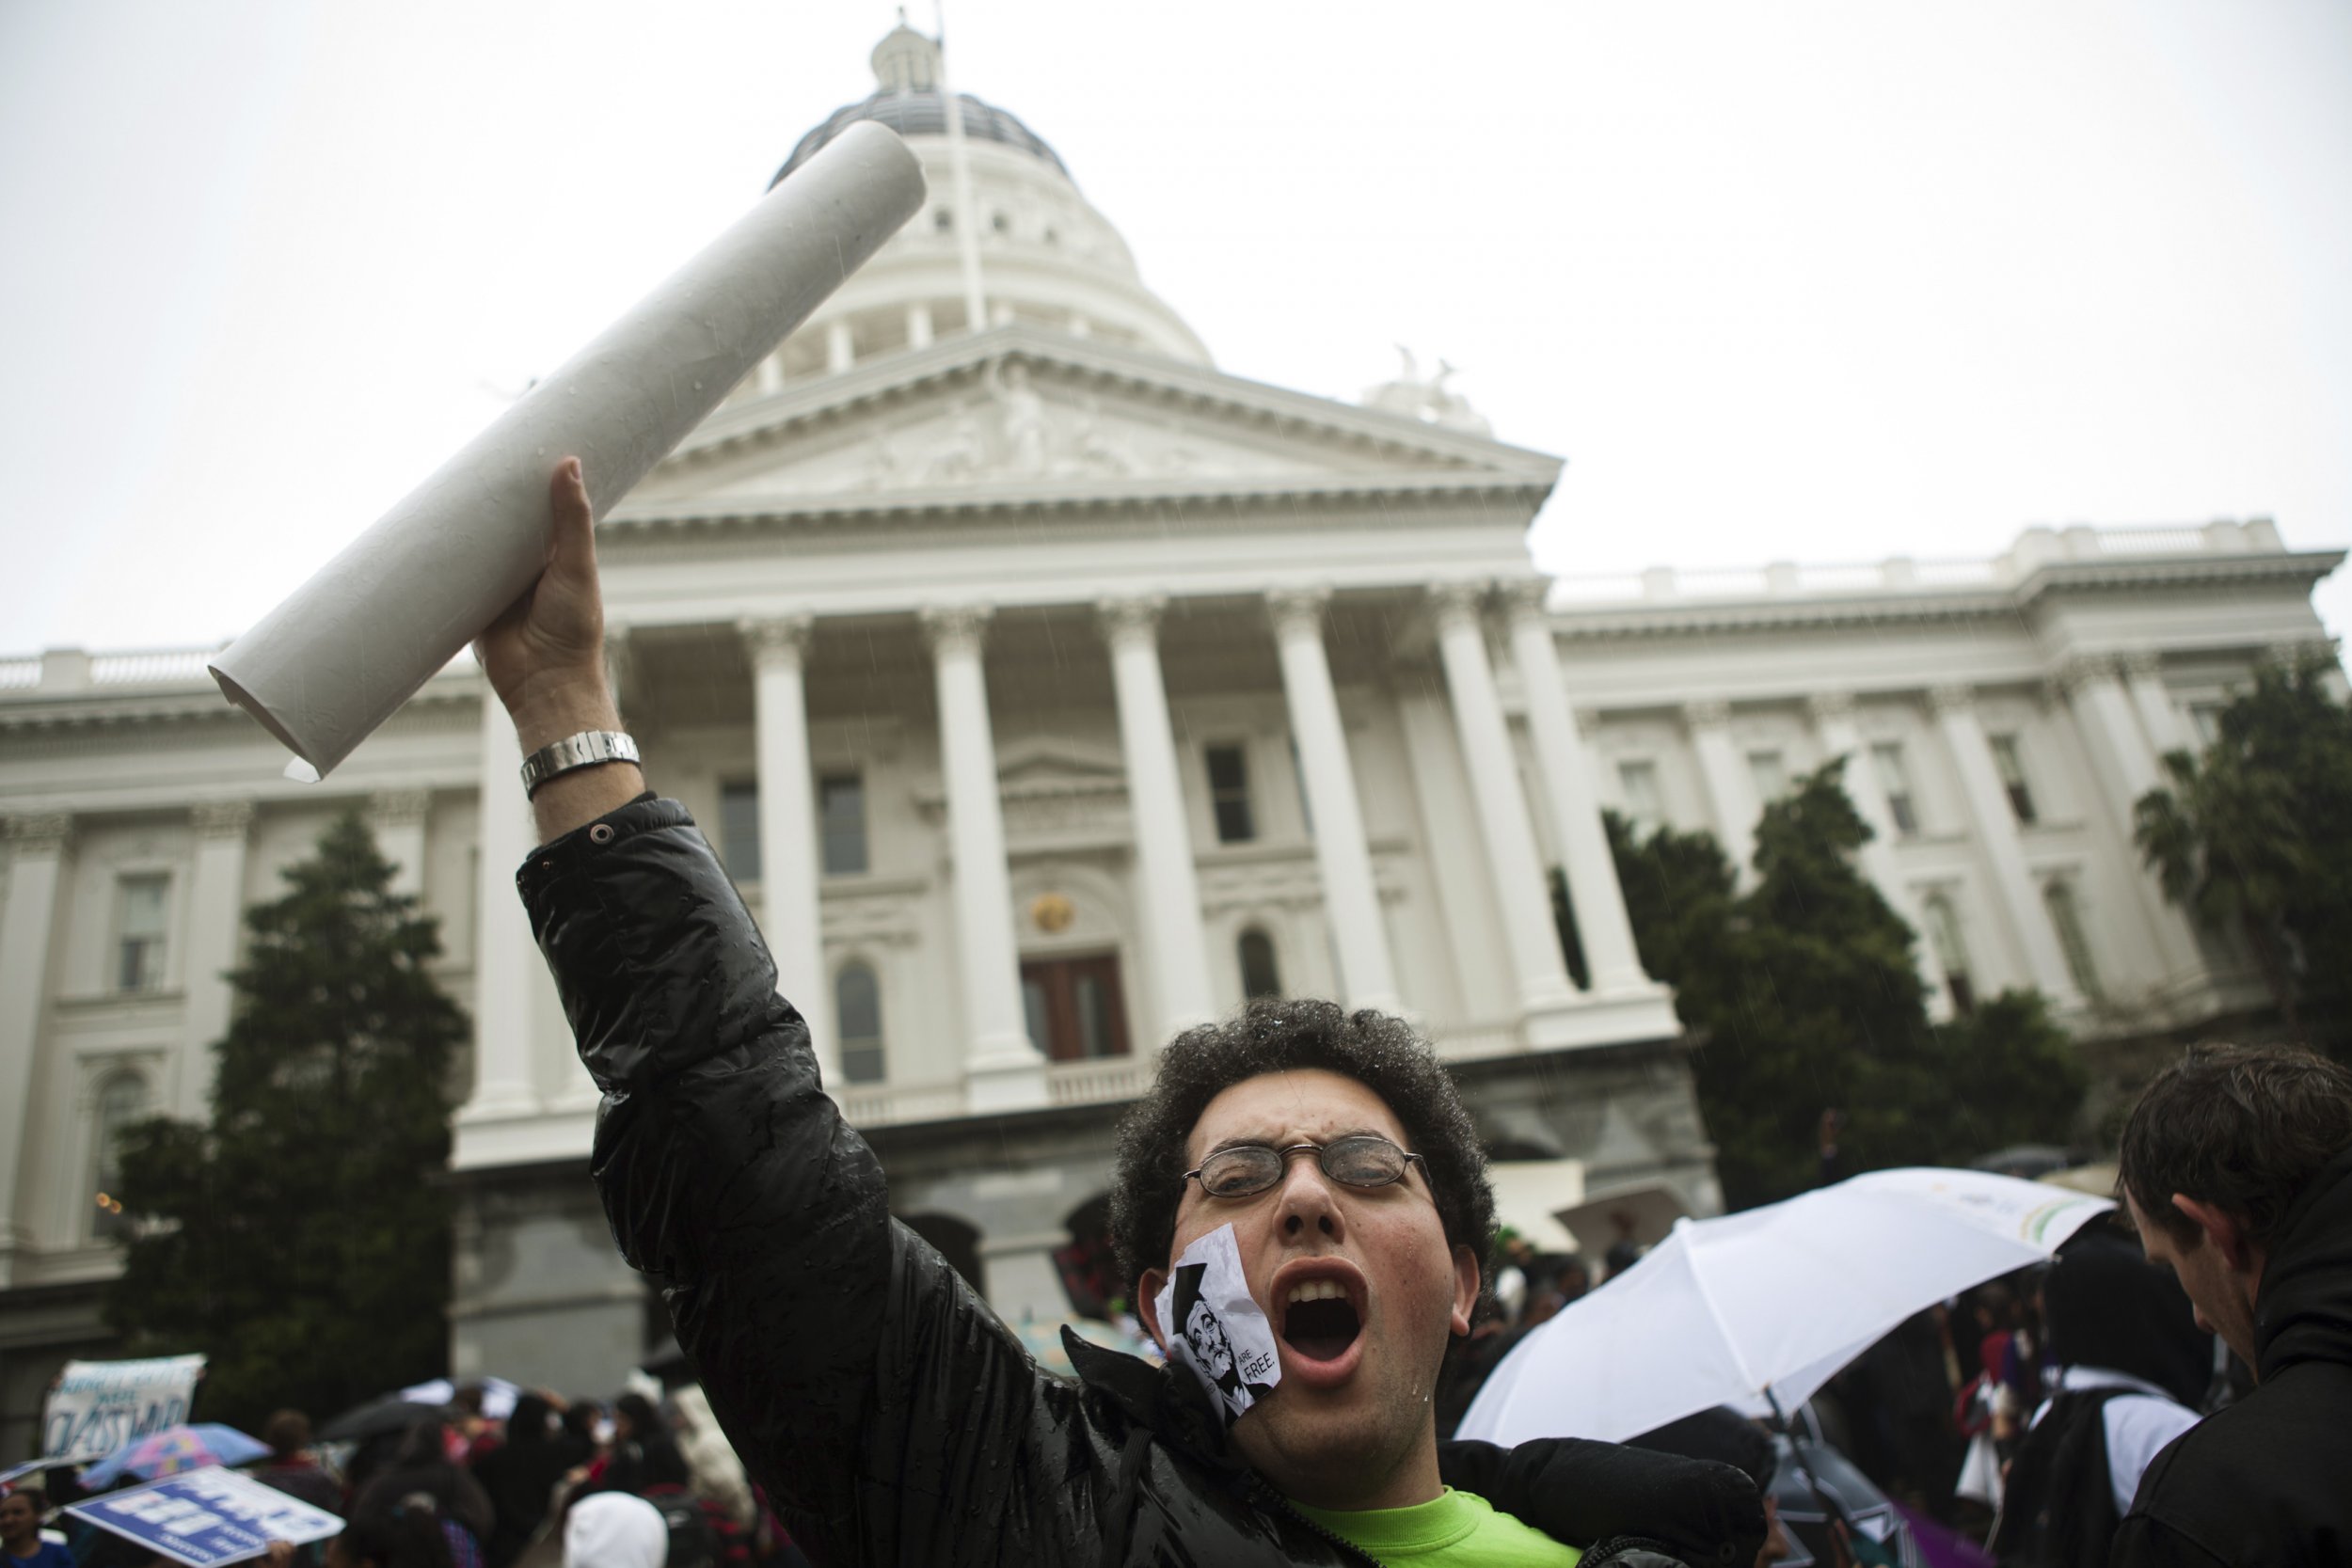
x: 1075, y: 1012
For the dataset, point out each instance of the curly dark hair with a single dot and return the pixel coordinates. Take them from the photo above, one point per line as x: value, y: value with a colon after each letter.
x: 2243, y: 1128
x: 1274, y: 1034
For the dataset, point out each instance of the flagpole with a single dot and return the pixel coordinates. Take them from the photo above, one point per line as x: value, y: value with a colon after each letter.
x: 967, y: 215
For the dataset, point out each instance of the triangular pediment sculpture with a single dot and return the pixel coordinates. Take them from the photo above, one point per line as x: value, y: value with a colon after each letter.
x: 1020, y: 412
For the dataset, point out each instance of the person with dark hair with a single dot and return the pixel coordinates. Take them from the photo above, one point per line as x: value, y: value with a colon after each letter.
x: 519, y: 1475
x: 2236, y: 1167
x: 290, y: 1467
x: 21, y: 1543
x: 404, y: 1532
x: 420, y: 1468
x: 1316, y: 1166
x: 2132, y: 1364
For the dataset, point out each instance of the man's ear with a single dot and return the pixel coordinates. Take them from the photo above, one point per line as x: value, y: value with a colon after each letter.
x: 2220, y: 1228
x: 1148, y: 1306
x: 1466, y: 1282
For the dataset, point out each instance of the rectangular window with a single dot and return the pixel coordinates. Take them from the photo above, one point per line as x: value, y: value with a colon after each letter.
x: 1637, y: 786
x: 1771, y: 775
x: 1894, y: 775
x: 841, y: 813
x: 141, y: 917
x: 739, y: 830
x: 1229, y: 795
x: 2012, y: 772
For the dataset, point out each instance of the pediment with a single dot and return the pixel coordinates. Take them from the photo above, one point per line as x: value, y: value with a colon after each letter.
x: 1017, y: 410
x: 1049, y: 763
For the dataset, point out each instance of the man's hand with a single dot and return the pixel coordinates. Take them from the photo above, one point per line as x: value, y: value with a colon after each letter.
x: 545, y: 659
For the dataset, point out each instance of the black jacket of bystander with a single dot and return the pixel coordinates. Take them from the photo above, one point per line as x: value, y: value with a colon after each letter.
x: 2268, y: 1480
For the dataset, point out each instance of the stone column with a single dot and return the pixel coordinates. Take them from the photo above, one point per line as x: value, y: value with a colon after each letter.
x: 507, y: 960
x: 1004, y: 1069
x: 397, y: 818
x: 918, y: 327
x: 1834, y: 720
x: 1729, y: 788
x: 1351, y: 899
x: 40, y: 846
x: 1995, y: 825
x: 840, y: 347
x: 216, y: 921
x: 1155, y: 798
x: 2143, y: 676
x: 1529, y: 935
x: 2126, y: 768
x: 1565, y: 768
x: 791, y: 872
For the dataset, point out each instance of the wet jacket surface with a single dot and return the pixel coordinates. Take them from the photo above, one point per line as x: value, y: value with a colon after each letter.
x: 890, y: 1416
x: 2269, y: 1479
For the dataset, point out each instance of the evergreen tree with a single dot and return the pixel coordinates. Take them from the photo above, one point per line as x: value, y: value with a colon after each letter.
x: 301, y: 1240
x: 1803, y: 997
x: 2255, y: 839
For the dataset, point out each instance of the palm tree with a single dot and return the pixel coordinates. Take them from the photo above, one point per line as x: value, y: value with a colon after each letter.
x: 2225, y: 843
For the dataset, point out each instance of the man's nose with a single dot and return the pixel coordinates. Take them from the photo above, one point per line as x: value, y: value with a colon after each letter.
x: 1309, y: 1207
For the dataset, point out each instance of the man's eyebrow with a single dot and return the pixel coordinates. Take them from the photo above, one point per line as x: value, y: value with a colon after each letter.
x: 1262, y: 1141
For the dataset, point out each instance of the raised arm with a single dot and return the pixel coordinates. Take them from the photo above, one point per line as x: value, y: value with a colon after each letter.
x: 545, y: 659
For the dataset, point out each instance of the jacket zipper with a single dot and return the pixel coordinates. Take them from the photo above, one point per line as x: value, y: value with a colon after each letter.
x: 1264, y: 1496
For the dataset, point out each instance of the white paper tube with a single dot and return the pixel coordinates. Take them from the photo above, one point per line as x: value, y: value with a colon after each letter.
x: 324, y: 669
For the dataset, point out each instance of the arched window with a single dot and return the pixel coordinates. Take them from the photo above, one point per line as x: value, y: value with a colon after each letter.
x: 122, y: 1101
x: 1259, y: 975
x: 2058, y: 897
x: 857, y: 1013
x: 1950, y: 952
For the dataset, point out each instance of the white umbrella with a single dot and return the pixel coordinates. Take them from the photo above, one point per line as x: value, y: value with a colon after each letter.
x: 1769, y: 1302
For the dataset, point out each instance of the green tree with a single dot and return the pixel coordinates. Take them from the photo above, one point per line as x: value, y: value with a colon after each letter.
x: 2253, y: 838
x: 1801, y: 996
x: 301, y: 1239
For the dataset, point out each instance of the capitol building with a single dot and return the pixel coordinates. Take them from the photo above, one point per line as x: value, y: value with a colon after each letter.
x: 1046, y: 691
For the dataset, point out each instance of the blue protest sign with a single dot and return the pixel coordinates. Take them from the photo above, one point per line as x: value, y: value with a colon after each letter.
x: 207, y: 1517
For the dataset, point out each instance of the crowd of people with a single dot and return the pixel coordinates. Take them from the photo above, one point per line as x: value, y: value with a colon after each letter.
x: 631, y: 1483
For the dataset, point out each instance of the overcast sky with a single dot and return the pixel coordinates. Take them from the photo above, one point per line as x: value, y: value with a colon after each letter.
x: 1816, y: 281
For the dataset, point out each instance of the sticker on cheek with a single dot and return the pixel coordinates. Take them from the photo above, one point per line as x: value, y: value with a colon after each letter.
x: 1214, y: 1327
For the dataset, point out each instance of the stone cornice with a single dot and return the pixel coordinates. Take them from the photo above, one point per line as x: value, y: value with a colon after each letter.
x: 1046, y: 501
x: 1686, y: 617
x: 194, y: 704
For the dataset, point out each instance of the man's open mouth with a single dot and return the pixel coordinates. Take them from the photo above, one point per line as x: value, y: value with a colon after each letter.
x: 1320, y: 1319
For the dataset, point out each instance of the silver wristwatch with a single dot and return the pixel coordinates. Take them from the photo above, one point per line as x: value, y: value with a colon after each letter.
x: 588, y: 748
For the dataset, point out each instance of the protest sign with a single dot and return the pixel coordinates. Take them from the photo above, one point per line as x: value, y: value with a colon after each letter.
x: 208, y: 1518
x: 100, y: 1406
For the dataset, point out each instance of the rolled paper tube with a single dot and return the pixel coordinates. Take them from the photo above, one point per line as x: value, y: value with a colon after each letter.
x: 328, y: 666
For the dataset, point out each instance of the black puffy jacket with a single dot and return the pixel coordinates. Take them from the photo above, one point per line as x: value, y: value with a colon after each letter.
x: 887, y: 1412
x: 2269, y: 1479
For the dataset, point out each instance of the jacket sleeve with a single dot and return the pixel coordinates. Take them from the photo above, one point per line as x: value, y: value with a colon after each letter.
x: 865, y: 1387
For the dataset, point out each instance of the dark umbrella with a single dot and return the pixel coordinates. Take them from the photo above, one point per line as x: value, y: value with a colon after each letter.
x: 377, y: 1417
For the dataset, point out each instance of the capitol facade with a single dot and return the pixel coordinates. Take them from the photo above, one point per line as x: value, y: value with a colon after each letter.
x: 1047, y: 690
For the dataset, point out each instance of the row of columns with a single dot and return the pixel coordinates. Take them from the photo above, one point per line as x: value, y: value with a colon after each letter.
x: 208, y: 936
x: 1003, y: 1066
x: 2128, y: 723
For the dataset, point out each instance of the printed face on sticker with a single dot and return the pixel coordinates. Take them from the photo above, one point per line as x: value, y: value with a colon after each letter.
x: 1359, y: 1283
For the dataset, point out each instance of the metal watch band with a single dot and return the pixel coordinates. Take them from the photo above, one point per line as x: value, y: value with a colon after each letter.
x: 588, y: 748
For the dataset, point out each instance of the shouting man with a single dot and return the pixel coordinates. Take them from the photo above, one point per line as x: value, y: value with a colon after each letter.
x: 1316, y: 1168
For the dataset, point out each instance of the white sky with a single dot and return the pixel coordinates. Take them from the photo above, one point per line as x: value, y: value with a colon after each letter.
x: 1820, y: 281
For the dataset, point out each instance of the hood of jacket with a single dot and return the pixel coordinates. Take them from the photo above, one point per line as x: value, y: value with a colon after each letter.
x: 1591, y: 1496
x: 2303, y: 1312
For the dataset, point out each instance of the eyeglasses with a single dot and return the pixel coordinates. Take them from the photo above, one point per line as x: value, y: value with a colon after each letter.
x: 1360, y: 1160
